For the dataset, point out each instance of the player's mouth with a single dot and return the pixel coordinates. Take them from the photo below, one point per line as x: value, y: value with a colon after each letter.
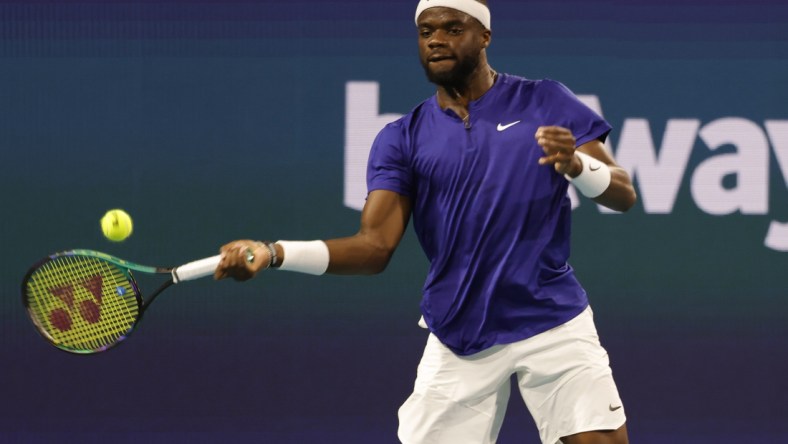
x: 439, y: 58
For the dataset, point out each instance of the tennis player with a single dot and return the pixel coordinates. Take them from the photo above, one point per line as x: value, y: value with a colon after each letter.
x: 483, y: 168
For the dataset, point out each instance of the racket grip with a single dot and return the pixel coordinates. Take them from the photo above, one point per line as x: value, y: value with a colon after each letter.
x: 195, y: 270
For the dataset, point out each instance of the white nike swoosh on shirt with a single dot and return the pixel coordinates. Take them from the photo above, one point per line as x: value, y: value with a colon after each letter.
x: 502, y: 127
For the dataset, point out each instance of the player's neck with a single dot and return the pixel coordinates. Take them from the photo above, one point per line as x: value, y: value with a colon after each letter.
x: 460, y: 95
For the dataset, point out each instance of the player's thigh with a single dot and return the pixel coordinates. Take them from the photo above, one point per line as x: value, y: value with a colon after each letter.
x: 456, y: 399
x: 566, y: 381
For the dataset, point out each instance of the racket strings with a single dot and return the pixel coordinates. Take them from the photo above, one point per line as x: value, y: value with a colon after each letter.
x: 93, y: 324
x: 82, y: 303
x: 120, y: 288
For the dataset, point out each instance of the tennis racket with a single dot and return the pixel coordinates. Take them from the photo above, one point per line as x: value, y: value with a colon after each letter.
x: 84, y: 301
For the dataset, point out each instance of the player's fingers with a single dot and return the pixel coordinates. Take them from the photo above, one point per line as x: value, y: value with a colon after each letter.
x: 237, y: 258
x: 235, y: 245
x: 548, y: 160
x: 221, y: 267
x: 561, y: 156
x: 558, y: 149
x: 230, y: 256
x: 555, y: 137
x: 561, y: 141
x: 552, y: 131
x: 562, y: 167
x: 228, y: 246
x: 241, y: 273
x: 557, y: 141
x: 240, y: 277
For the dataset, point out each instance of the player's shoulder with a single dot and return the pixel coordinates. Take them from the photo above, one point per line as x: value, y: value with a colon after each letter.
x: 549, y: 86
x: 540, y: 90
x: 522, y: 86
x: 546, y: 83
x: 408, y: 120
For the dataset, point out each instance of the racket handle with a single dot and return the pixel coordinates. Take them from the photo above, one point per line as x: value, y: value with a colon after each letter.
x: 195, y: 270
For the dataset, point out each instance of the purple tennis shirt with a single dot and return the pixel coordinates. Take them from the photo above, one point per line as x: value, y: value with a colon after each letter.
x: 494, y: 224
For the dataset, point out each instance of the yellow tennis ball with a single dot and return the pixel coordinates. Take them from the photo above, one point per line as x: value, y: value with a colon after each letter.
x: 116, y: 225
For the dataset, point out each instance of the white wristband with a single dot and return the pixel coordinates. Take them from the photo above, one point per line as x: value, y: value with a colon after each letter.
x: 309, y: 257
x: 593, y: 179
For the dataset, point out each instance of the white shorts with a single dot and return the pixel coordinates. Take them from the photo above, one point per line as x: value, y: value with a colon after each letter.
x: 563, y: 375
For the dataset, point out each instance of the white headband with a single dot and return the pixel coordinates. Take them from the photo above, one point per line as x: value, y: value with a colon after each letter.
x: 470, y: 7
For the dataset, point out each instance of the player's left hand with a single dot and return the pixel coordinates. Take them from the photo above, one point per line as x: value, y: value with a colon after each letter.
x: 558, y: 144
x: 242, y: 260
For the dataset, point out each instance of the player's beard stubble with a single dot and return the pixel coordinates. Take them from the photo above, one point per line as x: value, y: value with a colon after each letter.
x: 455, y: 78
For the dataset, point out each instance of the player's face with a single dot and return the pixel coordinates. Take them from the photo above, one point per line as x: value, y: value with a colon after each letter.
x: 450, y: 45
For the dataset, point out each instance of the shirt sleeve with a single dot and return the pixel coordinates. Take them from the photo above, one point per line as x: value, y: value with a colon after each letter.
x: 561, y: 107
x: 388, y: 167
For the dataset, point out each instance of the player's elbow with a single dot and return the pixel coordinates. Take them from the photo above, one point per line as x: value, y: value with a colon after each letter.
x: 625, y: 200
x: 377, y: 253
x: 379, y: 259
x: 630, y: 200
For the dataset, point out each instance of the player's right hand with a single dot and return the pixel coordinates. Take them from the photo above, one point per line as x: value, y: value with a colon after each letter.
x: 242, y: 260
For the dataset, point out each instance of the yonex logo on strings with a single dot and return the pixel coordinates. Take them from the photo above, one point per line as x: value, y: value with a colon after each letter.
x: 89, y: 310
x: 726, y: 182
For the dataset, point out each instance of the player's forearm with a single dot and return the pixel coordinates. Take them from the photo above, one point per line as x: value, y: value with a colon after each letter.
x: 383, y: 221
x: 620, y: 194
x: 358, y: 254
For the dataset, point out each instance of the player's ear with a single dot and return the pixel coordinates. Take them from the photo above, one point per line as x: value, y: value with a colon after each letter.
x: 486, y: 38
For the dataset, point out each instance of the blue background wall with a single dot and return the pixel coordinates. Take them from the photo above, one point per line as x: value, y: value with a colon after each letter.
x: 211, y: 121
